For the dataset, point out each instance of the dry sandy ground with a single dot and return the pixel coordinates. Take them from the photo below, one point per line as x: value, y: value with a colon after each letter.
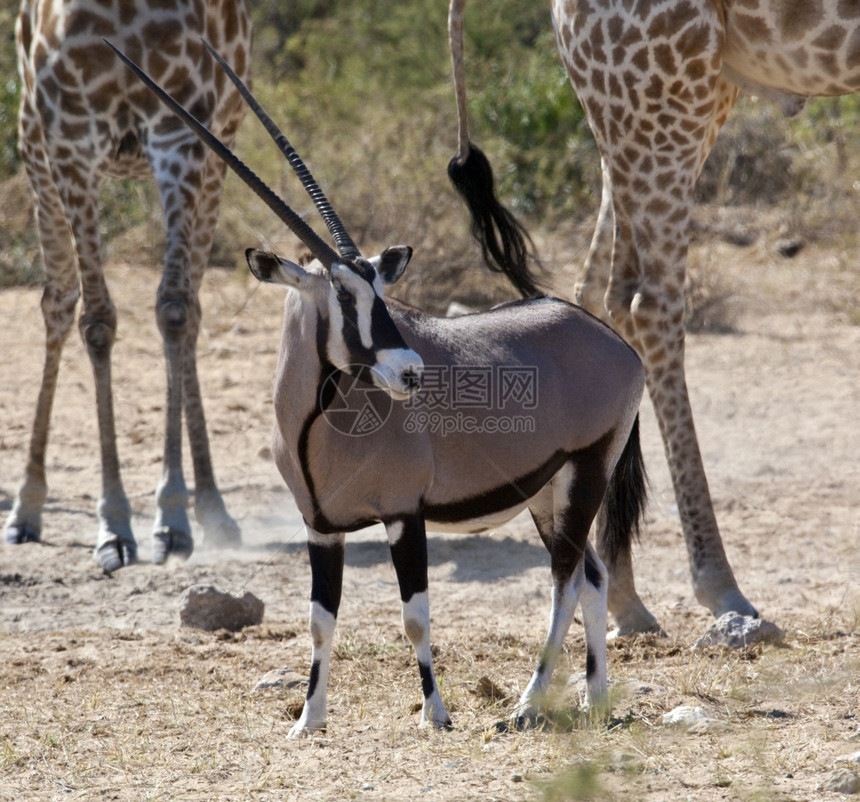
x: 102, y: 695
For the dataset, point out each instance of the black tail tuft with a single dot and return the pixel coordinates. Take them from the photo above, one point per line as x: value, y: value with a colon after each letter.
x: 625, y: 499
x: 505, y: 243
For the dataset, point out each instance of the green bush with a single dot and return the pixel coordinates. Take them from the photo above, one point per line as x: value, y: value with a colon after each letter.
x: 9, y: 93
x: 363, y: 90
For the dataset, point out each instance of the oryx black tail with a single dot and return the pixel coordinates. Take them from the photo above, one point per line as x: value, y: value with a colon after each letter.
x: 625, y: 500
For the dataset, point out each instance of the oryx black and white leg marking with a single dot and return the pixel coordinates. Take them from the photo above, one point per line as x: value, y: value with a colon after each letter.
x: 326, y: 559
x: 407, y: 538
x: 562, y: 513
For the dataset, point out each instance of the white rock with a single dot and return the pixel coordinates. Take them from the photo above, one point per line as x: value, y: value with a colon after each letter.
x: 844, y: 781
x: 279, y: 678
x: 684, y: 715
x: 736, y: 631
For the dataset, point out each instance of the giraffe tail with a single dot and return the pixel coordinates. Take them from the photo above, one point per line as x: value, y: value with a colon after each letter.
x: 624, y: 503
x: 505, y: 243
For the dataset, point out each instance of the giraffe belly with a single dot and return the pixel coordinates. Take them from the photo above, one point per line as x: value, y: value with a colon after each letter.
x: 801, y: 49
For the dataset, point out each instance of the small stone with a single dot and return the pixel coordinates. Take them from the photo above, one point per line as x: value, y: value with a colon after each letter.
x: 788, y: 246
x: 736, y: 631
x: 852, y: 758
x: 634, y: 687
x: 279, y: 678
x: 684, y: 715
x: 844, y: 781
x: 706, y: 725
x: 208, y: 608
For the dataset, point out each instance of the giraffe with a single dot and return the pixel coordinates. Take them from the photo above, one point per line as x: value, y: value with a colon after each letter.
x: 84, y: 116
x: 657, y: 79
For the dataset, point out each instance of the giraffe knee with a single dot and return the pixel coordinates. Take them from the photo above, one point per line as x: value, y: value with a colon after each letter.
x: 619, y: 301
x: 652, y: 322
x: 98, y: 331
x: 172, y: 318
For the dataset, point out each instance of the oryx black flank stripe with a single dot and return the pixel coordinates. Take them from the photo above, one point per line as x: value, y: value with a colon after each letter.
x: 322, y: 389
x: 500, y: 498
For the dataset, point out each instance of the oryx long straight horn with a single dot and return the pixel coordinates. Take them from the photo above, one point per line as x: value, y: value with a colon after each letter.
x: 319, y: 248
x: 346, y: 247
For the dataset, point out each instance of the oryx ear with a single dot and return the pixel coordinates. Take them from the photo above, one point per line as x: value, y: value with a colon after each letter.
x: 274, y: 270
x: 391, y: 263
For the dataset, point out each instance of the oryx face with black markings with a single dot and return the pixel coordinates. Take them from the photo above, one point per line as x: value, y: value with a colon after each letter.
x: 357, y: 332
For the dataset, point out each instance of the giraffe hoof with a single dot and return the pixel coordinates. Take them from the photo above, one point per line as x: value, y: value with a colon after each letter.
x: 167, y: 542
x: 222, y: 535
x: 114, y: 554
x: 16, y: 534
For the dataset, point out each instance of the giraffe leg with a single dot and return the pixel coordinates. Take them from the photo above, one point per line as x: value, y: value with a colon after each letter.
x: 219, y: 528
x: 655, y: 112
x: 590, y: 289
x: 646, y: 300
x: 115, y: 545
x: 176, y: 167
x: 75, y: 209
x: 59, y: 300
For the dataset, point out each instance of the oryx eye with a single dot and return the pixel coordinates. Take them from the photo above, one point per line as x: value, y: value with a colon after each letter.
x: 344, y: 296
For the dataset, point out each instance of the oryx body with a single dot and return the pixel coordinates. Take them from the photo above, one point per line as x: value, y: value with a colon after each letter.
x: 342, y: 341
x: 413, y: 471
x: 453, y: 465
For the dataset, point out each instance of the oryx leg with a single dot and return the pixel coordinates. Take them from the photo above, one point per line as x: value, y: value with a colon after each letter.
x: 407, y: 538
x: 326, y: 558
x: 577, y: 572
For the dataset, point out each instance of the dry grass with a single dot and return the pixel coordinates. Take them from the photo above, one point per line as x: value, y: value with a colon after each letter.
x: 146, y: 717
x: 102, y: 697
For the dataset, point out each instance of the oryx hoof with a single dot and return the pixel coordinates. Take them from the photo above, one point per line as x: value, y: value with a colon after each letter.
x: 116, y: 553
x: 299, y: 730
x: 444, y: 725
x: 16, y: 534
x: 524, y: 718
x: 167, y: 542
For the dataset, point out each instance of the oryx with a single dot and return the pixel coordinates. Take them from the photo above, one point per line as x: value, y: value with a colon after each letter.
x: 347, y: 352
